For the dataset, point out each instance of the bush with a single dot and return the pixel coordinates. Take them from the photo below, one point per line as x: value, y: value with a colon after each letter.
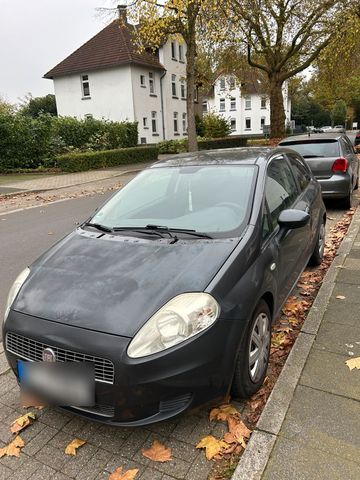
x: 227, y: 142
x: 173, y: 146
x: 78, y: 162
x: 215, y: 126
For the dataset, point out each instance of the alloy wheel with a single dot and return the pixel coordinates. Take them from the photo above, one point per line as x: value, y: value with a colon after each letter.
x: 259, y: 347
x: 322, y: 240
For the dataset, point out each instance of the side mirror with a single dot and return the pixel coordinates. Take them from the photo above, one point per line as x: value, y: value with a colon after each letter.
x: 292, y: 218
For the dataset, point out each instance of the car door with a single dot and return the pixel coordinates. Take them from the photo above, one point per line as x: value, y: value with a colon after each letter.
x: 281, y: 193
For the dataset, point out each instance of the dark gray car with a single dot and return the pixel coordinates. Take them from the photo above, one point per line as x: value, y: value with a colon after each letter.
x: 333, y: 161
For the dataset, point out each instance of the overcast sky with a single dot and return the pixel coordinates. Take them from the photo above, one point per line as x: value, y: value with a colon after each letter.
x: 36, y: 35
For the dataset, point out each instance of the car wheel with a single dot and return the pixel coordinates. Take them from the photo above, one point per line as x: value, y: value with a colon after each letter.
x: 357, y: 183
x: 253, y: 357
x: 318, y: 253
x: 346, y: 202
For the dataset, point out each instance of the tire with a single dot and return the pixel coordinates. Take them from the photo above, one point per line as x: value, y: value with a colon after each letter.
x: 357, y: 183
x: 318, y: 253
x: 346, y: 202
x: 249, y: 377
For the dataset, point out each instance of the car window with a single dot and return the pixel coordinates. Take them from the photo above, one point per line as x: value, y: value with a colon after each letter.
x: 300, y: 171
x: 280, y: 190
x: 348, y: 150
x: 266, y: 225
x: 314, y: 148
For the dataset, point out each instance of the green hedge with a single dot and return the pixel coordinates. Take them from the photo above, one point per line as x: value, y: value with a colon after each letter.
x: 227, y: 142
x: 79, y: 162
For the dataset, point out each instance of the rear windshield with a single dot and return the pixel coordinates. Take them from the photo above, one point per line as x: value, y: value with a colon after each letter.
x: 315, y: 148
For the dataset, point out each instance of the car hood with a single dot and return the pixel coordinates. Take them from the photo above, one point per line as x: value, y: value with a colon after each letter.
x: 115, y: 284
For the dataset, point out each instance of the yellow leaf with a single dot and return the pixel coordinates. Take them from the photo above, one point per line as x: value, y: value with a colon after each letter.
x: 128, y: 475
x: 340, y: 297
x: 71, y: 449
x: 157, y: 452
x: 13, y: 448
x: 222, y: 412
x: 22, y: 422
x: 238, y: 432
x: 353, y: 363
x: 212, y: 446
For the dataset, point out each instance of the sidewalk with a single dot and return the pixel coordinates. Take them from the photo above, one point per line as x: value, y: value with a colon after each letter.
x: 310, y: 427
x: 55, y: 182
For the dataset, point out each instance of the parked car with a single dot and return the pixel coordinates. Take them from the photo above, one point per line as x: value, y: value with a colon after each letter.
x: 333, y: 161
x: 326, y: 128
x: 169, y: 290
x: 357, y: 139
x: 317, y: 130
x: 338, y: 129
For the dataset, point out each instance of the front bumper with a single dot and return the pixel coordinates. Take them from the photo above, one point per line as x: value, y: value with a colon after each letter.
x: 144, y: 390
x: 336, y: 186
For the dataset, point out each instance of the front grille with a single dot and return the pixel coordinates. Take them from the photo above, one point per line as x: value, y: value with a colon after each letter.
x: 100, y: 410
x: 31, y: 350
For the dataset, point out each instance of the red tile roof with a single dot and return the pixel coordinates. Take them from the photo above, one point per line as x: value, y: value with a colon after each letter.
x: 114, y: 45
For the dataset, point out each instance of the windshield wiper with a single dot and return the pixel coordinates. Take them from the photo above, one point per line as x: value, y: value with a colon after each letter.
x: 98, y: 226
x: 187, y: 231
x: 146, y: 230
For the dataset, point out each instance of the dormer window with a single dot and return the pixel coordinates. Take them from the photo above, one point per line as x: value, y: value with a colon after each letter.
x: 85, y: 85
x: 232, y: 83
x: 173, y: 50
x: 142, y: 81
x: 222, y: 83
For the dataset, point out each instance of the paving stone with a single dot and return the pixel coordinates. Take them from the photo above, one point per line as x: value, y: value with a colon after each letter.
x: 1, y: 347
x: 12, y: 399
x: 335, y: 313
x: 162, y: 428
x: 118, y: 461
x: 5, y: 432
x: 108, y: 440
x: 61, y: 439
x: 7, y: 382
x: 88, y: 430
x: 5, y: 472
x: 328, y: 371
x: 350, y: 292
x: 152, y: 474
x: 78, y: 462
x: 310, y: 421
x: 43, y: 437
x: 135, y: 441
x: 60, y: 476
x: 30, y: 432
x: 4, y: 366
x: 5, y: 412
x: 94, y: 466
x: 43, y: 473
x: 200, y: 468
x: 55, y: 418
x: 289, y: 460
x: 347, y: 275
x: 185, y: 427
x: 75, y: 425
x: 338, y: 338
x: 53, y: 457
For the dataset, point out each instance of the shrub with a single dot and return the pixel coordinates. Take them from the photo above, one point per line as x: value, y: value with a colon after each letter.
x: 173, y: 146
x: 78, y: 162
x: 227, y: 142
x: 215, y: 126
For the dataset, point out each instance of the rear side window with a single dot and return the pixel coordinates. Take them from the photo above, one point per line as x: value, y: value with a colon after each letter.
x: 348, y: 150
x: 300, y: 171
x: 315, y: 148
x: 281, y: 190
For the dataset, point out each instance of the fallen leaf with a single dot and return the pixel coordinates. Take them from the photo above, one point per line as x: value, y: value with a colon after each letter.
x: 13, y: 448
x: 353, y: 363
x: 222, y: 412
x: 157, y: 452
x: 71, y: 449
x: 340, y: 297
x: 50, y: 233
x: 238, y: 432
x: 128, y: 475
x: 212, y: 446
x: 22, y: 422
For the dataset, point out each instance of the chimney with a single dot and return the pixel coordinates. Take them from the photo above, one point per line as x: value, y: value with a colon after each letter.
x: 122, y: 13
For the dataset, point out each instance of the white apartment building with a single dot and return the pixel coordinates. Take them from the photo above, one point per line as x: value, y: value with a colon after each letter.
x: 245, y: 105
x: 109, y: 78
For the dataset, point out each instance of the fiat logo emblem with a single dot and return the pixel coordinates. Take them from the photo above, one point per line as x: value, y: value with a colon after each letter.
x: 48, y: 355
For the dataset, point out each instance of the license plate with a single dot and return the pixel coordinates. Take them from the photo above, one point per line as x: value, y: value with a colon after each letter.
x: 59, y: 383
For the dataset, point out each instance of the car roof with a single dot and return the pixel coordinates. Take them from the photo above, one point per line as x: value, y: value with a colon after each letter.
x: 313, y: 136
x: 226, y: 156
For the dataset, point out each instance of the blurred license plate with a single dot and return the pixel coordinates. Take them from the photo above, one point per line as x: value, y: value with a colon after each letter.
x: 58, y: 383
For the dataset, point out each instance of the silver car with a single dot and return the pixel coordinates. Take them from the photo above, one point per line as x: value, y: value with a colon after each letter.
x: 333, y: 161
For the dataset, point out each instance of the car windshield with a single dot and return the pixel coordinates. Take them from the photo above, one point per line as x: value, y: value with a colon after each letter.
x: 315, y: 148
x: 213, y: 199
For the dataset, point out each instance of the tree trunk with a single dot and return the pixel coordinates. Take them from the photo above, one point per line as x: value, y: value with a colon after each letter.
x: 190, y: 90
x: 277, y: 112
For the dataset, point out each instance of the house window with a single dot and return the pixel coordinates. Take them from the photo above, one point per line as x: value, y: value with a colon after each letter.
x: 181, y: 53
x: 145, y: 122
x: 233, y: 103
x: 182, y: 89
x: 173, y: 85
x: 151, y: 83
x: 248, y: 123
x: 154, y: 122
x: 247, y: 103
x: 176, y: 123
x: 142, y: 80
x: 233, y: 124
x: 204, y: 106
x: 232, y: 83
x: 184, y: 122
x: 222, y: 104
x: 262, y: 123
x: 263, y: 102
x: 85, y: 85
x: 222, y: 83
x: 88, y: 116
x: 173, y: 50
x: 143, y: 140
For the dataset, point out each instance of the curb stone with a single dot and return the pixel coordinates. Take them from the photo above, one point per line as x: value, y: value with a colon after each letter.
x: 255, y: 458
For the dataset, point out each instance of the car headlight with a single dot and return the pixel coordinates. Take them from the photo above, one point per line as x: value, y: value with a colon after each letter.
x: 14, y: 290
x: 181, y: 318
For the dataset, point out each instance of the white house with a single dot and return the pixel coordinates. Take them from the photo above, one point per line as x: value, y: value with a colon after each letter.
x: 108, y: 78
x: 245, y: 105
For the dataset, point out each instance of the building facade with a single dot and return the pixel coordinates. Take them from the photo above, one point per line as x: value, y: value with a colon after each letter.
x: 245, y: 105
x: 109, y: 78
